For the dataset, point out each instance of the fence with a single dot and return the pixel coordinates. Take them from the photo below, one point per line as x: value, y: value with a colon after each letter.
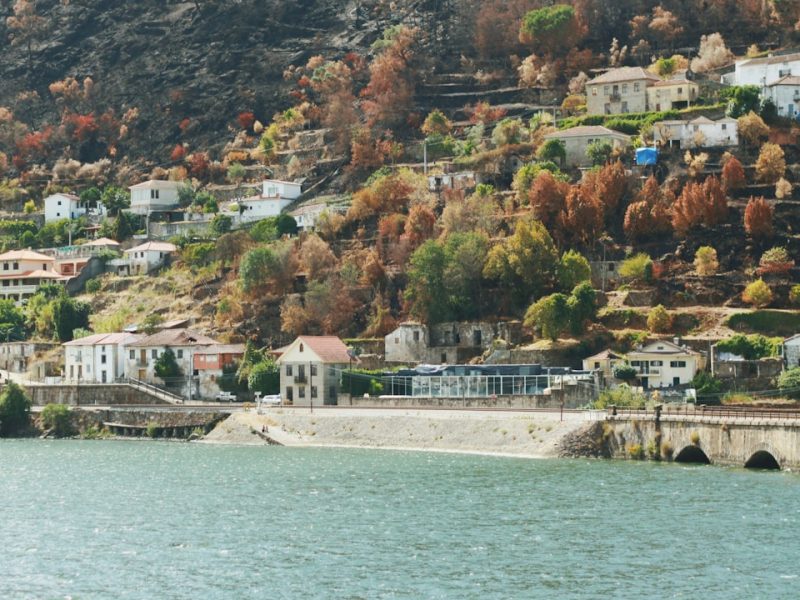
x: 476, y: 386
x: 691, y: 411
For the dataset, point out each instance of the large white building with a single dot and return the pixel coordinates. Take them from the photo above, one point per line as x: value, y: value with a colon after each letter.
x: 23, y: 271
x: 154, y: 196
x: 98, y: 358
x: 764, y: 71
x: 68, y: 206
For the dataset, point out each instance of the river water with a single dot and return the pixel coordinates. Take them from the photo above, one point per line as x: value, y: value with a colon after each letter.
x: 169, y: 520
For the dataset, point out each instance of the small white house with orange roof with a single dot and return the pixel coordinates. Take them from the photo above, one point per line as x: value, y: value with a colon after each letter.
x: 149, y: 256
x: 311, y: 370
x: 23, y: 271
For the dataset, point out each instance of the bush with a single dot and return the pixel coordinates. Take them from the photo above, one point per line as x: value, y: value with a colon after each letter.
x: 789, y: 382
x: 623, y: 397
x: 705, y: 384
x: 775, y: 260
x: 635, y: 451
x: 93, y: 286
x: 752, y: 347
x: 265, y: 377
x: 152, y: 430
x: 659, y: 320
x: 794, y: 295
x: 57, y: 418
x: 625, y: 372
x: 15, y: 408
x: 766, y: 322
x: 757, y: 293
x: 638, y: 267
x: 705, y: 261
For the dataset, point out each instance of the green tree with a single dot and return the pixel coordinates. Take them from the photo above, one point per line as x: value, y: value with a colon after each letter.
x: 553, y: 150
x: 115, y: 200
x: 166, y: 366
x: 573, y: 268
x: 286, y: 224
x: 524, y: 263
x: 582, y: 305
x: 599, y: 152
x: 264, y: 377
x: 550, y: 28
x: 69, y: 315
x: 91, y: 196
x: 742, y: 99
x: 236, y: 173
x: 221, y: 224
x: 15, y: 408
x: 256, y: 267
x: 266, y: 230
x: 425, y: 289
x: 788, y: 382
x: 638, y: 267
x: 550, y: 314
x: 57, y: 418
x: 12, y: 322
x: 465, y: 255
x: 757, y: 293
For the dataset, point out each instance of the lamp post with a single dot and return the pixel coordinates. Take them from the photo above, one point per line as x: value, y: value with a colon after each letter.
x: 351, y: 354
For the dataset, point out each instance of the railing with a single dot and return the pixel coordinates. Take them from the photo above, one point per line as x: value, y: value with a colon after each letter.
x: 615, y: 97
x: 154, y: 390
x: 692, y: 411
x: 300, y: 379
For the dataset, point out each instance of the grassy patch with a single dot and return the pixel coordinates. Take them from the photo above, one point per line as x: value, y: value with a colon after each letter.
x: 766, y: 322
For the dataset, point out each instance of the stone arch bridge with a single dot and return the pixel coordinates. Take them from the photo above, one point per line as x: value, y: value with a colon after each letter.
x: 762, y: 439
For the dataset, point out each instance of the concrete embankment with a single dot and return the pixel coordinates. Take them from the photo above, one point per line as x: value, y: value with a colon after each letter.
x: 528, y: 434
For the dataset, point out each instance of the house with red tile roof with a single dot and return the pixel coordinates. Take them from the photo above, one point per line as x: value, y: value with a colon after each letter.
x: 311, y: 369
x: 23, y: 271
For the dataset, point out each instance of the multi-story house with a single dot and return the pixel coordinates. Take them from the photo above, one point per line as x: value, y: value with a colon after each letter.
x: 68, y: 206
x: 765, y: 70
x: 576, y: 141
x: 311, y: 368
x: 211, y: 363
x: 785, y: 94
x: 622, y: 90
x: 143, y: 354
x: 154, y: 196
x: 674, y: 93
x: 23, y: 271
x: 275, y: 197
x: 98, y: 358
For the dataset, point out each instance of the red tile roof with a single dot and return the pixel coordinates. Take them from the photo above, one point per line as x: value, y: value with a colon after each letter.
x: 329, y: 348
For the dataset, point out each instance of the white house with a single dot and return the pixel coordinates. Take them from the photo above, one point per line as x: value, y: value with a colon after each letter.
x: 763, y: 71
x: 23, y: 271
x: 144, y: 353
x: 674, y: 93
x: 69, y: 206
x: 791, y: 351
x: 154, y: 196
x: 577, y: 139
x: 701, y: 132
x: 311, y: 369
x: 148, y: 256
x: 663, y: 364
x: 98, y: 358
x: 785, y: 94
x: 308, y: 215
x: 276, y: 196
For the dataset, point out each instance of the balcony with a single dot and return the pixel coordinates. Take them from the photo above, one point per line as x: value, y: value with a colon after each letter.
x: 651, y: 372
x: 615, y: 97
x: 300, y: 379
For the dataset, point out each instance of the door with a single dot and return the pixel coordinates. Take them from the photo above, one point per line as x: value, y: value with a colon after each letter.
x: 676, y: 381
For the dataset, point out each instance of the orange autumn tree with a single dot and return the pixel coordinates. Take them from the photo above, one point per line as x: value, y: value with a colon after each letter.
x: 648, y: 216
x: 699, y: 204
x: 758, y: 218
x: 733, y: 177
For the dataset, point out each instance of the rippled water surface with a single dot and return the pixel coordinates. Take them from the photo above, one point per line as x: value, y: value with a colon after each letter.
x: 169, y: 520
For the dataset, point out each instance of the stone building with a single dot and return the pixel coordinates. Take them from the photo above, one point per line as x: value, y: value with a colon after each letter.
x: 311, y: 369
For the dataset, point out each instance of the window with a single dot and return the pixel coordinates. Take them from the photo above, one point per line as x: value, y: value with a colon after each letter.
x: 132, y: 354
x: 301, y: 348
x: 594, y: 91
x: 635, y: 363
x: 313, y: 391
x: 5, y: 266
x: 154, y: 353
x: 605, y: 90
x: 288, y: 370
x: 724, y: 126
x: 680, y: 90
x: 416, y: 336
x: 59, y: 202
x: 103, y: 359
x: 696, y: 127
x: 636, y: 87
x: 301, y: 392
x: 677, y: 364
x: 397, y: 340
x: 313, y: 370
x: 597, y: 365
x: 16, y: 266
x: 179, y: 353
x: 289, y: 394
x: 656, y: 363
x: 624, y: 88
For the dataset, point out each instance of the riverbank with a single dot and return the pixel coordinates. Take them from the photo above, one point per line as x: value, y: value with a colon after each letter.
x: 523, y: 434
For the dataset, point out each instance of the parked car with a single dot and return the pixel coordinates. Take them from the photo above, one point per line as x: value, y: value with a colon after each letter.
x: 226, y: 397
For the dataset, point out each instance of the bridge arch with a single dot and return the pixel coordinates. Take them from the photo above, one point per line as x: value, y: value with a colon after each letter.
x: 693, y: 454
x: 763, y: 459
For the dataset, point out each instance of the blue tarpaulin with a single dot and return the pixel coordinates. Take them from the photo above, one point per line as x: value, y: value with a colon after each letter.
x: 646, y: 157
